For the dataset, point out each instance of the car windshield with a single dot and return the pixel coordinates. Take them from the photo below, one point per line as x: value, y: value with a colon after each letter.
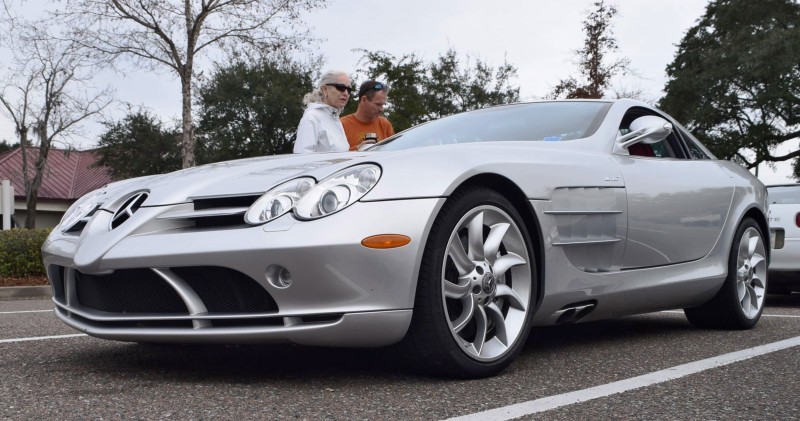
x: 784, y: 195
x: 541, y: 121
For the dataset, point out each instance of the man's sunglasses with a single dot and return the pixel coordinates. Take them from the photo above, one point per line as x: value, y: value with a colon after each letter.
x: 376, y: 87
x: 341, y: 87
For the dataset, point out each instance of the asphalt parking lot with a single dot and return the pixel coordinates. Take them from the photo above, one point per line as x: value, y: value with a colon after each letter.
x: 654, y: 366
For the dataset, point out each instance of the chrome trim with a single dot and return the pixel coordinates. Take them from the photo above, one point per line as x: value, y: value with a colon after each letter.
x: 104, y: 316
x: 365, y: 329
x: 205, y: 213
x: 601, y: 241
x: 581, y: 212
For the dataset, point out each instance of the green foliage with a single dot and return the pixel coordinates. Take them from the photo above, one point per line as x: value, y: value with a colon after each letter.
x: 251, y: 110
x: 425, y: 91
x: 20, y: 252
x: 138, y: 145
x: 735, y: 80
x: 5, y: 146
x: 595, y: 74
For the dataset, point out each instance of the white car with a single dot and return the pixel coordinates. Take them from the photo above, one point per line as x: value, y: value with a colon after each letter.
x: 784, y: 222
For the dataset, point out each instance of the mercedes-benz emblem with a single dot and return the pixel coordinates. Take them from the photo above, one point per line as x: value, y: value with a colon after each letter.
x: 488, y: 284
x: 127, y: 209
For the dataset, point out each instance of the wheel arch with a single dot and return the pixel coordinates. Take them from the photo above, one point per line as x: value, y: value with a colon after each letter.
x: 757, y: 215
x: 519, y: 199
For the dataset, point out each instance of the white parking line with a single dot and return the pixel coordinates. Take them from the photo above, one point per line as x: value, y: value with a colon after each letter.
x: 672, y: 373
x: 40, y: 338
x: 789, y: 316
x: 781, y: 315
x: 26, y: 311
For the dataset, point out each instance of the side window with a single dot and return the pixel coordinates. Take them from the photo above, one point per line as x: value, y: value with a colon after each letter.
x: 695, y: 151
x: 667, y: 148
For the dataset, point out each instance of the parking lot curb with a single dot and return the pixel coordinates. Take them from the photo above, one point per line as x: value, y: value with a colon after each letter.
x: 43, y: 292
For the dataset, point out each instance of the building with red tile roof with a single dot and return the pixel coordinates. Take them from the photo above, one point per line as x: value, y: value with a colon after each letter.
x: 69, y: 175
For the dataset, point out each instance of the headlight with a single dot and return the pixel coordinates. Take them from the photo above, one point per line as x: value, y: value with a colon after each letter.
x: 277, y: 201
x: 82, y: 208
x: 337, y: 191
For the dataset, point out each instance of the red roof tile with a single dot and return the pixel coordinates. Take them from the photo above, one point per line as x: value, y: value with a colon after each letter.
x: 68, y: 175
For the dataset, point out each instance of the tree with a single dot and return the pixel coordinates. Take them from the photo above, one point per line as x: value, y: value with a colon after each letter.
x: 6, y: 146
x: 251, y: 109
x: 735, y: 80
x: 138, y: 145
x: 425, y: 91
x: 595, y: 73
x: 453, y: 89
x: 46, y: 95
x: 175, y: 33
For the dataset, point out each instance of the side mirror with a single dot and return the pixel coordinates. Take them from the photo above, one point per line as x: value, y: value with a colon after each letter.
x: 647, y: 129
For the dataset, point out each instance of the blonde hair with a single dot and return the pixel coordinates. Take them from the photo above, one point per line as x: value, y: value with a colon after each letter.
x: 331, y: 76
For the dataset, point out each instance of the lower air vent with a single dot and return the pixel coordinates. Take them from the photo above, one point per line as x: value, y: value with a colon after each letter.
x: 221, y: 290
x: 128, y: 291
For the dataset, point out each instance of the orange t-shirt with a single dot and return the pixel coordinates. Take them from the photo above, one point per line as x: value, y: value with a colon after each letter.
x: 355, y: 130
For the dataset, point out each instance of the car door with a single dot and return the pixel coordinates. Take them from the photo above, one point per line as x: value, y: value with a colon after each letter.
x: 677, y: 200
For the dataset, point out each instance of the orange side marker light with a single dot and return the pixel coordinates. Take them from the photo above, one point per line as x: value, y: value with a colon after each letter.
x: 385, y: 241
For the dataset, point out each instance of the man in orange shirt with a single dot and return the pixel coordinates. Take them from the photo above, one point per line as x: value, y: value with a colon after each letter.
x: 367, y: 125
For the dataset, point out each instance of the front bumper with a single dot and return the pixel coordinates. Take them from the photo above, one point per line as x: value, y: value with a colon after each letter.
x: 211, y: 284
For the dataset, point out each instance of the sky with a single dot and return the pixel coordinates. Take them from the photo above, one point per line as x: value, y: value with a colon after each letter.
x: 538, y: 37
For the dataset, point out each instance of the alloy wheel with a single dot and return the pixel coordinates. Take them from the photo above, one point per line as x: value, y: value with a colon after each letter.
x: 486, y: 282
x: 751, y: 268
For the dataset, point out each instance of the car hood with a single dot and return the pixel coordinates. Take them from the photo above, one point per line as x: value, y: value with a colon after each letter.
x: 252, y: 176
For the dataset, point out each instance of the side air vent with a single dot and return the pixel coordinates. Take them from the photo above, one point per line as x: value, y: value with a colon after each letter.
x: 128, y: 208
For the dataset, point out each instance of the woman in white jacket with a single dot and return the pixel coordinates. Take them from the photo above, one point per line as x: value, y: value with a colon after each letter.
x: 320, y: 129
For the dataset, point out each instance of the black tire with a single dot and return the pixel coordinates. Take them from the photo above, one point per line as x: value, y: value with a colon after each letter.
x: 740, y: 301
x: 445, y: 336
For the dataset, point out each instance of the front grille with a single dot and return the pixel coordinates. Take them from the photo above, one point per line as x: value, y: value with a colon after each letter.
x: 215, y: 212
x: 222, y: 220
x: 128, y: 291
x: 224, y: 202
x: 225, y: 290
x: 221, y: 290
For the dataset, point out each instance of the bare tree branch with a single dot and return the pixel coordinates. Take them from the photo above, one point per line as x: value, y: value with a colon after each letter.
x: 173, y: 33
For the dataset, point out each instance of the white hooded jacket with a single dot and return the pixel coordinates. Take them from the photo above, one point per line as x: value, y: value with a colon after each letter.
x: 320, y: 130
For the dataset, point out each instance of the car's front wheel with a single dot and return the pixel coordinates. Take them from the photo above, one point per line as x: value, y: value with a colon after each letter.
x: 740, y: 301
x: 476, y: 288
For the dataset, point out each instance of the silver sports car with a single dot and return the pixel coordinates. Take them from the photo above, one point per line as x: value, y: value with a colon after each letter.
x: 452, y: 239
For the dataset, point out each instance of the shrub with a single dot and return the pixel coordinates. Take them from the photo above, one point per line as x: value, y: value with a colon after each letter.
x: 20, y: 252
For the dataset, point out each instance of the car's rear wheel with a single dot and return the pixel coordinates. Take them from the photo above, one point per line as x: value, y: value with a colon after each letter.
x: 476, y: 288
x: 740, y: 301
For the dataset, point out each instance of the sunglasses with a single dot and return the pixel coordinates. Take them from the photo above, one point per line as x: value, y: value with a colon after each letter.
x: 376, y: 87
x: 341, y: 87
